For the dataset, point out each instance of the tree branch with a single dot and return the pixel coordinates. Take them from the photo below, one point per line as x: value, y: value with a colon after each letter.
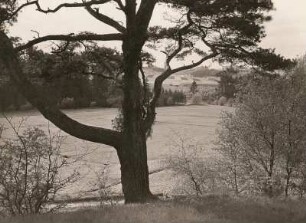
x: 70, y: 5
x: 179, y: 48
x: 105, y: 19
x: 72, y: 37
x: 46, y: 106
x: 120, y: 5
x: 144, y: 15
x: 20, y: 8
x: 158, y: 87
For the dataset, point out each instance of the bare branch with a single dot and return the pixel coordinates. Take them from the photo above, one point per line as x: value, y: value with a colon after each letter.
x: 36, y: 32
x: 105, y: 19
x: 158, y: 87
x: 120, y: 5
x: 61, y: 48
x: 70, y: 5
x: 21, y: 7
x: 180, y: 42
x: 199, y: 62
x: 72, y: 37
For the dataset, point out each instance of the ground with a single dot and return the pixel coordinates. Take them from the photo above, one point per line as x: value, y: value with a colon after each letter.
x: 210, y: 209
x: 198, y: 123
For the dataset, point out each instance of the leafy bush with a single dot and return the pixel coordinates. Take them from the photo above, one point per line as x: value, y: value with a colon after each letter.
x: 263, y: 142
x: 222, y: 101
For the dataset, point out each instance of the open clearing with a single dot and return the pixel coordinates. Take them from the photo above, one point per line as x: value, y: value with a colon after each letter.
x: 198, y: 123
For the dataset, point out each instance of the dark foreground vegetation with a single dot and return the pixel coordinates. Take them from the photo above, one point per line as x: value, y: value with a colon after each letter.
x: 210, y: 209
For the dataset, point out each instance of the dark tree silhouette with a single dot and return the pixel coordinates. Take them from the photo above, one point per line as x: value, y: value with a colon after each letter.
x: 193, y: 87
x: 224, y: 30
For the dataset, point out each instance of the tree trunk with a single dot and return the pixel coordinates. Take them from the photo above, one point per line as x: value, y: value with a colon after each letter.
x: 288, y: 178
x: 133, y: 151
x: 134, y: 170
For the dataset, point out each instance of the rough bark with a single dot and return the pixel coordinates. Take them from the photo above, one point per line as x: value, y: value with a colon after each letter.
x: 134, y: 169
x: 133, y: 152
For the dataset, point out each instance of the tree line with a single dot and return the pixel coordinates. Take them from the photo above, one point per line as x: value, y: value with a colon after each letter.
x: 71, y: 79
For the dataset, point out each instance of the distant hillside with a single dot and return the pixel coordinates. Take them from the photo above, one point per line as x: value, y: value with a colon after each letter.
x: 152, y: 71
x: 204, y: 72
x: 195, y: 72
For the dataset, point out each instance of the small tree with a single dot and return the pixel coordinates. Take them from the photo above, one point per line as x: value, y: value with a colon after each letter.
x: 29, y: 171
x: 294, y: 122
x: 193, y: 87
x: 263, y: 141
x: 228, y: 82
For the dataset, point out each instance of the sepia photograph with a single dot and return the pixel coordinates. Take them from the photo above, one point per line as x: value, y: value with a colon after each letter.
x: 152, y: 111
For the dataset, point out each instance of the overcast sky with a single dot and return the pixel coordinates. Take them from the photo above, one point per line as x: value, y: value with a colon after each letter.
x: 286, y: 32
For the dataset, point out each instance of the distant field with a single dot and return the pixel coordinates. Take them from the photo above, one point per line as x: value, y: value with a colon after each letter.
x: 194, y: 122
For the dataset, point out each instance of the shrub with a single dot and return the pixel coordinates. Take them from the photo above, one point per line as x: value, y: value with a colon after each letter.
x: 222, y: 101
x: 67, y: 103
x: 196, y: 175
x: 29, y: 171
x: 170, y: 98
x: 196, y: 99
x: 103, y: 186
x: 230, y: 102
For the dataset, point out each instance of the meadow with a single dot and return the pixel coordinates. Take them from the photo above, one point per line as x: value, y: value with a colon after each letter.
x: 198, y: 124
x: 195, y: 123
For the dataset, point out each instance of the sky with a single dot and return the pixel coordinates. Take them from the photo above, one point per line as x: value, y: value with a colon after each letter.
x: 286, y: 32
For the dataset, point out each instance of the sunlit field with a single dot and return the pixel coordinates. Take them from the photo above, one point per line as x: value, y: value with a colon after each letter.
x: 195, y: 123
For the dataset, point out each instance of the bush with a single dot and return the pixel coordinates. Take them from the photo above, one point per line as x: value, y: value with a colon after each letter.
x: 263, y: 142
x: 29, y: 171
x: 67, y: 103
x: 230, y: 102
x: 104, y: 187
x: 196, y: 175
x: 170, y: 98
x: 222, y: 101
x: 196, y: 99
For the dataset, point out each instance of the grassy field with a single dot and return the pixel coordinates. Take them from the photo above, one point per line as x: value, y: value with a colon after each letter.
x: 211, y: 209
x: 194, y: 122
